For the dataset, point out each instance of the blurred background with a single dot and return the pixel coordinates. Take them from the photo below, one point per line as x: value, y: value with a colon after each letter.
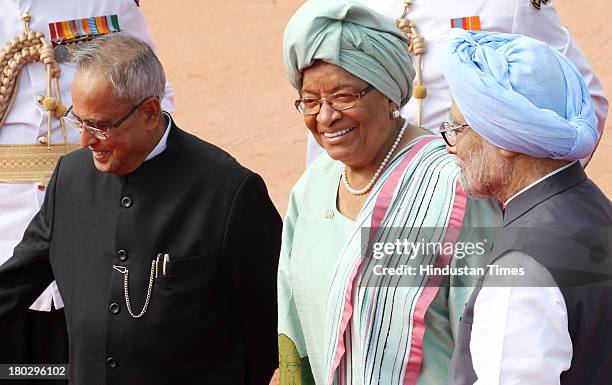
x: 224, y: 60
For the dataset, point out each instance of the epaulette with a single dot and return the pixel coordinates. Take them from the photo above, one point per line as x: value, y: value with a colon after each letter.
x: 538, y: 3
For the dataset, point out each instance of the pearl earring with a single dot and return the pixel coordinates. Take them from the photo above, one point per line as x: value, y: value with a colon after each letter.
x: 395, y: 114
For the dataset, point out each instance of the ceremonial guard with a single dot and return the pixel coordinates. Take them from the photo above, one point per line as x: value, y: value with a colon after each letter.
x: 35, y: 77
x: 427, y: 24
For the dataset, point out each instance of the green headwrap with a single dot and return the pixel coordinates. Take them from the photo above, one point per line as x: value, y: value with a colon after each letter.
x: 354, y: 37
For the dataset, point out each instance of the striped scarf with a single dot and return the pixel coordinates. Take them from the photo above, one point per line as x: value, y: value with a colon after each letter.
x: 374, y: 321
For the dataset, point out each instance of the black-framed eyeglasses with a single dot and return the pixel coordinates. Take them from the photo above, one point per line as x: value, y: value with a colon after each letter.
x: 449, y: 130
x: 99, y: 133
x: 339, y: 102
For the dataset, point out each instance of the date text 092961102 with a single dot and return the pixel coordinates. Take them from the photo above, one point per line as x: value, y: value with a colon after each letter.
x: 27, y: 371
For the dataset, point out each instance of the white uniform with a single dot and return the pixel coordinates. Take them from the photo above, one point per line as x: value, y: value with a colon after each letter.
x: 432, y: 19
x: 26, y: 121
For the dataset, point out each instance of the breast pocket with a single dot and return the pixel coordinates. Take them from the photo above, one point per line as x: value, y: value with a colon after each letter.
x: 180, y: 294
x: 181, y: 267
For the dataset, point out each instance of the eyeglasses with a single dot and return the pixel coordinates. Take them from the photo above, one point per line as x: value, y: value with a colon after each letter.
x: 449, y: 130
x: 99, y: 133
x: 339, y: 102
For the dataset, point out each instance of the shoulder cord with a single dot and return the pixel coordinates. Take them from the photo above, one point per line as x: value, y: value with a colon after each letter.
x: 30, y: 47
x: 416, y: 46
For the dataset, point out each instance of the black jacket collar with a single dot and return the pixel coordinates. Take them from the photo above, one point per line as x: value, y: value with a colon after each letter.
x: 162, y: 162
x: 553, y: 185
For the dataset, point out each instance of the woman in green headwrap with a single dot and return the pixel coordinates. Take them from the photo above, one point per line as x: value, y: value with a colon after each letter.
x: 381, y: 179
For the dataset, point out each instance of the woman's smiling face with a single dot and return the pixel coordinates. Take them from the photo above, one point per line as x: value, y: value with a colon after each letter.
x: 354, y: 136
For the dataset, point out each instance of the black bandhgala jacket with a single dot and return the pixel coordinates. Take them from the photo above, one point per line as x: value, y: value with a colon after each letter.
x: 212, y: 316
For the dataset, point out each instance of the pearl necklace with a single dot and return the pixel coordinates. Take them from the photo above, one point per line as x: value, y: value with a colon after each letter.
x: 370, y: 184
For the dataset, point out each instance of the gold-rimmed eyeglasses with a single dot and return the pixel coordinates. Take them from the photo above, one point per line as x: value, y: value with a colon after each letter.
x: 100, y: 133
x: 339, y: 101
x: 449, y: 130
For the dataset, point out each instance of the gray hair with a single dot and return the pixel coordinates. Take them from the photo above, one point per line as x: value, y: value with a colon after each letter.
x: 131, y: 66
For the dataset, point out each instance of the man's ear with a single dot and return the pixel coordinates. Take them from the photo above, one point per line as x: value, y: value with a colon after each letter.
x: 152, y: 109
x: 508, y: 154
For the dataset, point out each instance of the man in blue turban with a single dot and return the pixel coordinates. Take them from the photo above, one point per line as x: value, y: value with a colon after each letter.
x: 520, y: 120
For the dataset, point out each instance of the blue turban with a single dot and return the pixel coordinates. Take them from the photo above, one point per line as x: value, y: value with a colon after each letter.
x: 521, y: 95
x: 354, y: 37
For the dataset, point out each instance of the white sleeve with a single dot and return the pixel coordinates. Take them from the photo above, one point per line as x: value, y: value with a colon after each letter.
x: 134, y: 23
x: 520, y: 334
x: 544, y: 25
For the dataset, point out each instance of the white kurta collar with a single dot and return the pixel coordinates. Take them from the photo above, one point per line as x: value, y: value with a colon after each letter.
x: 539, y: 180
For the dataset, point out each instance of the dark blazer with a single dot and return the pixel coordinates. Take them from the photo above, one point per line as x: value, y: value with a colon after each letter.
x: 211, y: 318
